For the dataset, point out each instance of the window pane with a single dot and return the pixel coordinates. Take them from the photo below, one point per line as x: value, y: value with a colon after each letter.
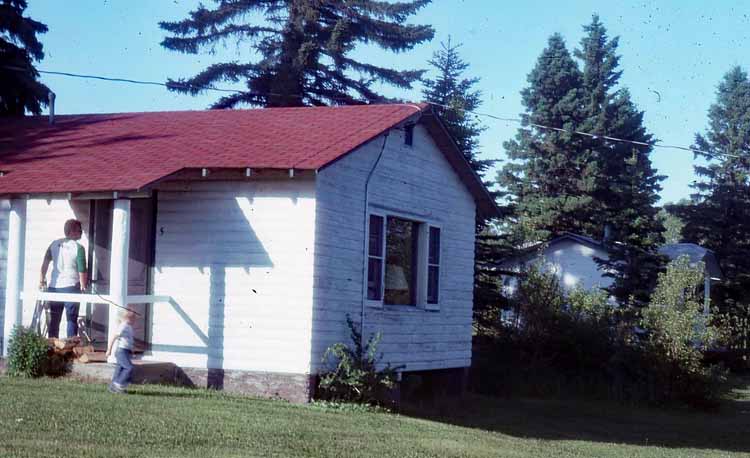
x: 376, y: 236
x: 374, y: 268
x: 434, y: 245
x: 433, y: 276
x: 400, y: 261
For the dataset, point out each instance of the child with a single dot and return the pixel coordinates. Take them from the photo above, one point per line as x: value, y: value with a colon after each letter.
x: 124, y: 368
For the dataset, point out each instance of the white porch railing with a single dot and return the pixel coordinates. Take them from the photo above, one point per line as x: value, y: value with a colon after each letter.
x: 34, y: 296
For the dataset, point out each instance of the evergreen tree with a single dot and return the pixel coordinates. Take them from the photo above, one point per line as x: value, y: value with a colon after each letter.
x: 626, y: 186
x: 550, y: 178
x: 19, y: 48
x: 719, y: 216
x: 303, y: 47
x: 455, y: 97
x: 559, y: 181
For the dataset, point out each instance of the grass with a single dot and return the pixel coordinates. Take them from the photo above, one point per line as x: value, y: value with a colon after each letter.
x: 40, y: 418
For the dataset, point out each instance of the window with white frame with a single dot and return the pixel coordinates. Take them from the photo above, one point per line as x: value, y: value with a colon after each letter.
x: 375, y: 259
x: 433, y: 266
x: 403, y: 262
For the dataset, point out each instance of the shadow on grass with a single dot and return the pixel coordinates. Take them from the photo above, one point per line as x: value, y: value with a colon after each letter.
x: 727, y: 429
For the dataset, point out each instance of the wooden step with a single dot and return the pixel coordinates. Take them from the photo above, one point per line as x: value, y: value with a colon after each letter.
x: 93, y: 357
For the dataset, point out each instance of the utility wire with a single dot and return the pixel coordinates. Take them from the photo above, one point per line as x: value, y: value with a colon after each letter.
x: 586, y: 134
x: 475, y: 113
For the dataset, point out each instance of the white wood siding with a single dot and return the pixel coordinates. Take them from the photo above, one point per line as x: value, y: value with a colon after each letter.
x: 44, y: 224
x: 417, y: 182
x: 237, y: 257
x: 4, y: 211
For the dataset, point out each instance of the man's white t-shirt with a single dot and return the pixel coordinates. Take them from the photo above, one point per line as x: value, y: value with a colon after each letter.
x: 68, y: 258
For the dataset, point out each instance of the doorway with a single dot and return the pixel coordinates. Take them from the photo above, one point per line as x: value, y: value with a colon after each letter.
x: 140, y: 256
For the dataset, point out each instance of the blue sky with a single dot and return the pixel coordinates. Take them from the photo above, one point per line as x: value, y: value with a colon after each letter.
x: 674, y: 54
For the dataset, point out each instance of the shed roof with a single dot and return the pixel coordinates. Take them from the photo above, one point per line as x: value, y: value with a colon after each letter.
x: 130, y: 151
x: 695, y: 254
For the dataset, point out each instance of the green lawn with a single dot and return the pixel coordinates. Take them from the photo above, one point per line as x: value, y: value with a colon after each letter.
x: 41, y: 418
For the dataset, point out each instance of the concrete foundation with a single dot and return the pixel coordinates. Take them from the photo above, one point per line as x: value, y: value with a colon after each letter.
x: 291, y: 387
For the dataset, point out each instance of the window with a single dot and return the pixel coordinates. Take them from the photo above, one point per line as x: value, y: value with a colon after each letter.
x: 403, y: 262
x: 433, y: 266
x: 409, y: 134
x: 375, y: 259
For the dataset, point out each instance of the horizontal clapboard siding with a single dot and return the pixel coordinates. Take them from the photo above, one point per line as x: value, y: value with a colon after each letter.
x: 45, y: 219
x: 4, y: 211
x: 238, y: 260
x: 415, y: 181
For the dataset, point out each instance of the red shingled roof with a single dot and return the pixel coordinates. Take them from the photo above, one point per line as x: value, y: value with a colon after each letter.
x: 129, y: 151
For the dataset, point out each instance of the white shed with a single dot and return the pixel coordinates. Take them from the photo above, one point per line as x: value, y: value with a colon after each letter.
x: 247, y: 236
x: 573, y: 259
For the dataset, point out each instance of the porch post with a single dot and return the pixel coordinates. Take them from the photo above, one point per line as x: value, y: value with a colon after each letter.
x: 15, y: 267
x: 118, y: 265
x: 706, y: 293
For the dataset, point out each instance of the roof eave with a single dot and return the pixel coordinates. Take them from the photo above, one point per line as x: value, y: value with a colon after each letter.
x: 486, y: 206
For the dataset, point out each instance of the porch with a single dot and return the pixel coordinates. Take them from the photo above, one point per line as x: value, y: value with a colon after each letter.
x: 111, y: 301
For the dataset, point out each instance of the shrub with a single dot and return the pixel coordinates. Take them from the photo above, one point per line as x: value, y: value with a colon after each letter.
x: 353, y: 374
x: 556, y: 347
x: 677, y: 333
x: 577, y: 343
x: 27, y: 353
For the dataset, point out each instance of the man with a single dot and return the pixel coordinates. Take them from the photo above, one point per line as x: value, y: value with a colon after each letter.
x: 68, y: 260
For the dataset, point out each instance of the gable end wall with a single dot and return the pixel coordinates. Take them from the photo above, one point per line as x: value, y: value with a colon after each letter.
x: 418, y: 182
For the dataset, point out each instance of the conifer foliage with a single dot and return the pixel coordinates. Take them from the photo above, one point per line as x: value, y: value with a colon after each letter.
x: 558, y: 181
x: 455, y: 98
x: 19, y: 48
x: 718, y: 217
x: 303, y: 47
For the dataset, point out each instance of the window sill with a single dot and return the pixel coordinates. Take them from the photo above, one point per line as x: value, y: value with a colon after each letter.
x: 410, y: 308
x: 402, y: 308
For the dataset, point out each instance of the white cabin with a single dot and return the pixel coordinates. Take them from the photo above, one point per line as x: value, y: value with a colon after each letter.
x: 252, y: 234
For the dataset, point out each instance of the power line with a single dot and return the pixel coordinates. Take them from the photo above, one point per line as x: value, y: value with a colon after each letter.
x: 476, y: 113
x: 587, y: 134
x: 126, y: 80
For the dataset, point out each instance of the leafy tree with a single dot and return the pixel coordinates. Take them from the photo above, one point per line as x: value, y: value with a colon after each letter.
x: 673, y: 224
x: 303, y: 47
x: 676, y: 334
x: 19, y: 48
x: 719, y: 216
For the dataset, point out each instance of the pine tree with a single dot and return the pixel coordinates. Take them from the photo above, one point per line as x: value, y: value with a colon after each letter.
x: 718, y: 218
x: 558, y: 181
x: 19, y: 48
x: 549, y: 179
x: 626, y: 186
x: 454, y: 98
x: 304, y: 49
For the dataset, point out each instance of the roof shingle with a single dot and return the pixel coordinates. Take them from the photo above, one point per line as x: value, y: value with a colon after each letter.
x: 127, y: 151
